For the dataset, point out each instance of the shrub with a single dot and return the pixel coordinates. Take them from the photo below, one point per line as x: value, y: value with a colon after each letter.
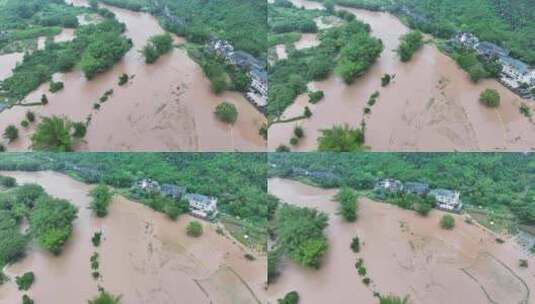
x: 282, y: 148
x: 105, y: 298
x: 294, y: 141
x: 53, y: 134
x: 298, y: 132
x: 525, y: 110
x: 385, y: 80
x: 249, y: 257
x: 55, y: 86
x: 24, y: 123
x: 290, y: 298
x: 315, y: 97
x: 347, y: 204
x: 27, y: 300
x: 393, y: 300
x: 25, y: 281
x: 447, y: 222
x: 44, y: 100
x: 8, y: 181
x: 123, y: 79
x: 11, y: 133
x: 490, y: 98
x: 366, y: 281
x: 80, y: 129
x: 523, y: 263
x: 97, y: 238
x: 307, y: 113
x: 30, y: 116
x: 423, y: 208
x: 410, y: 43
x: 341, y: 139
x: 362, y: 271
x: 101, y: 195
x: 226, y: 112
x: 359, y: 263
x: 367, y: 110
x: 2, y: 148
x: 194, y: 229
x: 355, y: 244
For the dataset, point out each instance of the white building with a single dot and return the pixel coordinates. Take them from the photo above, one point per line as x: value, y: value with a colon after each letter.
x: 202, y: 206
x: 447, y: 199
x: 148, y: 185
x: 389, y: 185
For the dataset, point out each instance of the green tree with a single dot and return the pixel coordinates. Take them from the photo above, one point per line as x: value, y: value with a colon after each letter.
x: 290, y: 298
x: 11, y: 133
x: 447, y: 222
x: 194, y: 229
x: 53, y: 134
x: 105, y: 297
x: 341, y: 139
x: 347, y: 204
x: 226, y: 112
x: 393, y: 300
x: 25, y: 281
x: 490, y: 98
x: 101, y: 196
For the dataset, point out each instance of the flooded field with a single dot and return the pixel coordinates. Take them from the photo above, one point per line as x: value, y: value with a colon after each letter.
x: 404, y: 254
x: 166, y: 106
x: 431, y: 105
x: 145, y: 257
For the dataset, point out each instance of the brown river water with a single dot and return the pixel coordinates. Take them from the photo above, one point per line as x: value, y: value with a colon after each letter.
x: 431, y: 105
x: 144, y: 256
x: 167, y: 106
x: 405, y: 254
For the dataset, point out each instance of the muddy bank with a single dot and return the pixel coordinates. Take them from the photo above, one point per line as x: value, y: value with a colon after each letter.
x: 166, y: 106
x: 144, y: 256
x: 430, y: 106
x: 404, y: 254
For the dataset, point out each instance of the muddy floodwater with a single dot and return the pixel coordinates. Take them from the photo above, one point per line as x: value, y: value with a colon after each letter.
x: 165, y: 106
x: 404, y: 254
x: 144, y: 256
x: 431, y: 105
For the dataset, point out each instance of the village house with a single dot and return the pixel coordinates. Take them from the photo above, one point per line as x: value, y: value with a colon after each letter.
x: 257, y: 92
x: 388, y: 185
x: 147, y: 186
x: 202, y: 206
x: 447, y: 199
x: 173, y: 191
x: 420, y: 189
x: 515, y: 74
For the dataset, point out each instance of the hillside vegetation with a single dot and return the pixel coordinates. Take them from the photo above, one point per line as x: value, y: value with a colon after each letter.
x: 502, y: 183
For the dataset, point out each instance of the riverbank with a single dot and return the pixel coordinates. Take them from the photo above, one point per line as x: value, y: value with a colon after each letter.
x: 431, y: 105
x: 404, y: 254
x: 144, y: 256
x: 173, y: 113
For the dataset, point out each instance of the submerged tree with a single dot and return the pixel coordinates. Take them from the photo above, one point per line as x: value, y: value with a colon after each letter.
x: 341, y: 139
x: 105, y: 297
x: 53, y: 134
x: 226, y: 112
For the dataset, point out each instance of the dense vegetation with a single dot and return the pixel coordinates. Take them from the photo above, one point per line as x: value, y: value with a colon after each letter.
x: 341, y: 139
x: 347, y: 200
x: 50, y: 223
x: 507, y: 23
x: 490, y: 98
x: 101, y: 198
x: 157, y: 46
x: 95, y: 49
x: 57, y: 134
x: 237, y: 180
x: 347, y: 49
x: 21, y: 22
x: 243, y: 23
x: 410, y: 43
x: 226, y: 112
x: 299, y: 233
x: 503, y: 183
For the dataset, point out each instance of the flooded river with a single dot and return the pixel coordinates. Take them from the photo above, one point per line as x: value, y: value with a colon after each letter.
x: 145, y: 257
x: 430, y: 106
x: 404, y: 254
x: 166, y: 106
